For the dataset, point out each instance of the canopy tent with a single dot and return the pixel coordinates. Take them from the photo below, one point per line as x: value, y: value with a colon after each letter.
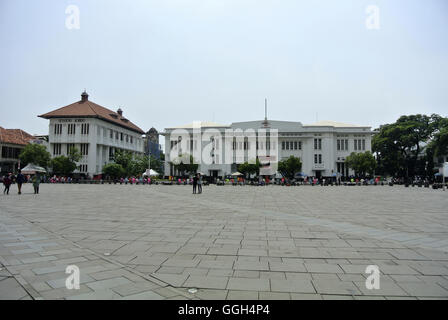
x: 236, y: 174
x: 151, y: 173
x: 33, y: 169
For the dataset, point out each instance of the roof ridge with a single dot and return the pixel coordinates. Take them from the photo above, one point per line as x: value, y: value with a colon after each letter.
x: 88, y: 103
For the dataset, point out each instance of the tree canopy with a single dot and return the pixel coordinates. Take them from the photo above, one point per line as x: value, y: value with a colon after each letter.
x: 113, y: 170
x: 248, y: 168
x: 362, y: 163
x: 290, y: 166
x: 65, y: 165
x: 399, y: 145
x: 184, y: 164
x: 36, y: 154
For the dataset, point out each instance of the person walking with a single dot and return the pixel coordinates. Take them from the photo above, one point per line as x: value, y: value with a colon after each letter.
x: 199, y: 183
x: 7, y: 183
x: 20, y: 179
x: 36, y: 182
x: 195, y: 183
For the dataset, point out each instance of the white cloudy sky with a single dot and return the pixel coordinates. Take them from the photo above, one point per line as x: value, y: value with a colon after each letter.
x: 172, y: 62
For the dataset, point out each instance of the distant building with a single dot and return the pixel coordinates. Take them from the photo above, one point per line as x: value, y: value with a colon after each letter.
x: 12, y: 142
x: 152, y: 145
x: 322, y: 146
x: 97, y: 132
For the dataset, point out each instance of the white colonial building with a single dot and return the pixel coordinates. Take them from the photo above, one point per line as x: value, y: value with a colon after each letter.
x: 322, y: 146
x: 95, y: 131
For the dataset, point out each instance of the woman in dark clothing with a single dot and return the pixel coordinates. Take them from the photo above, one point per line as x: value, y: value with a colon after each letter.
x: 20, y: 179
x: 6, y: 183
x: 195, y: 183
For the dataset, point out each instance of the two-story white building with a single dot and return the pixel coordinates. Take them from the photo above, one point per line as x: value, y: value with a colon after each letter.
x: 322, y: 146
x: 97, y: 132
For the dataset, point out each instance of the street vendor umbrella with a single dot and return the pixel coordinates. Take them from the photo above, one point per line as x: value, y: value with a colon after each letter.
x: 236, y: 174
x: 151, y: 173
x: 33, y: 169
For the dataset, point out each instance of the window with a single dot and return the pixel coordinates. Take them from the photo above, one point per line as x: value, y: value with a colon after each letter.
x: 339, y: 144
x: 116, y: 135
x: 83, y: 168
x: 127, y: 138
x: 355, y: 145
x: 70, y: 147
x: 121, y: 136
x: 363, y: 144
x: 85, y: 128
x: 295, y: 145
x: 283, y: 145
x: 71, y: 128
x: 317, y: 144
x: 58, y: 129
x: 346, y: 144
x: 111, y: 134
x: 10, y: 152
x: 57, y: 149
x: 132, y: 141
x: 315, y: 158
x: 320, y: 158
x: 84, y: 149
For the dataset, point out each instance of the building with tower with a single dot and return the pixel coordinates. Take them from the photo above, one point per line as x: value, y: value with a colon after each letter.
x: 97, y: 132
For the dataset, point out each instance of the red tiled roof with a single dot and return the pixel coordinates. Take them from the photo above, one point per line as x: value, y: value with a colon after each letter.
x: 15, y: 136
x: 89, y: 109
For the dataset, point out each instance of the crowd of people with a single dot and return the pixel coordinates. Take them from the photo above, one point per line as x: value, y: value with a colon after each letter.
x: 20, y: 179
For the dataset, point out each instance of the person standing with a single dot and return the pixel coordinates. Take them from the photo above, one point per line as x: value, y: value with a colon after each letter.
x: 20, y: 179
x: 36, y: 182
x: 6, y: 183
x: 199, y: 183
x: 195, y: 183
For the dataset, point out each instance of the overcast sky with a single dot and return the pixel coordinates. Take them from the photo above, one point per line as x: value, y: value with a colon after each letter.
x: 171, y: 62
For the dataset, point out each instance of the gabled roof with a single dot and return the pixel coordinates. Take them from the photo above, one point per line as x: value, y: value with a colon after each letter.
x: 89, y: 109
x: 15, y: 136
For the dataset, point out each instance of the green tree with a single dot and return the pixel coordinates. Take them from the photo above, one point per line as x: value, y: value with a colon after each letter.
x: 123, y: 158
x: 248, y: 168
x: 65, y: 165
x: 158, y: 164
x: 62, y: 165
x: 362, y: 163
x: 138, y: 165
x: 113, y: 170
x: 36, y: 154
x: 290, y: 166
x: 399, y: 145
x: 184, y: 164
x: 244, y: 168
x: 74, y: 155
x: 439, y: 145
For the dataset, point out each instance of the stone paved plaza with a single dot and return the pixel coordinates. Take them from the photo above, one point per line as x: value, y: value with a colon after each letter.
x: 231, y: 242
